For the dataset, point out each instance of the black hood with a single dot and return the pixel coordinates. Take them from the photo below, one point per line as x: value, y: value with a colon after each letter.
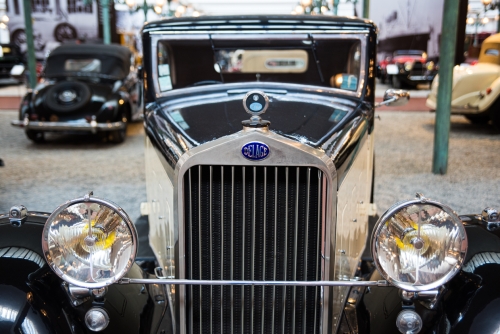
x: 307, y: 118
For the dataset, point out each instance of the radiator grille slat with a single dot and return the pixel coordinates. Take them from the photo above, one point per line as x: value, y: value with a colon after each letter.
x: 253, y: 223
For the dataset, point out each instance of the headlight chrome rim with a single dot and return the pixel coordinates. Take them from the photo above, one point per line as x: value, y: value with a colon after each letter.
x: 397, y: 208
x: 89, y: 200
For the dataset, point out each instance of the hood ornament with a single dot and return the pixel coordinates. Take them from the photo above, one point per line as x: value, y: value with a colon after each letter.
x: 255, y: 103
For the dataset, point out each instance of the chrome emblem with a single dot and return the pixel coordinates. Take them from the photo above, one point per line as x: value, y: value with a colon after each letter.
x: 255, y: 102
x: 67, y: 96
x: 255, y: 151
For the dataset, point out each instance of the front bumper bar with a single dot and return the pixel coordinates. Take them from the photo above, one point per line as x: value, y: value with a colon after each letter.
x: 93, y: 126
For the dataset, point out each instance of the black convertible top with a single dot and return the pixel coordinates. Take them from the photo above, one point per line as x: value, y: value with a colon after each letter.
x: 115, y: 58
x: 113, y: 50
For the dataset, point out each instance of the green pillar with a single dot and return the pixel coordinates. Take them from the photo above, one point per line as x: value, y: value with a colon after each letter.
x: 145, y: 9
x: 366, y: 9
x: 335, y: 6
x: 443, y: 106
x: 106, y: 28
x: 30, y: 45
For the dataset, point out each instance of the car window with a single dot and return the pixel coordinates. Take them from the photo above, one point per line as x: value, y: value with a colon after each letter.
x: 82, y: 65
x: 334, y: 63
x: 491, y: 52
x: 261, y: 61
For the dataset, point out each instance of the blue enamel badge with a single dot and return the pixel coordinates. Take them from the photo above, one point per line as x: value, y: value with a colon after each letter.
x: 255, y: 151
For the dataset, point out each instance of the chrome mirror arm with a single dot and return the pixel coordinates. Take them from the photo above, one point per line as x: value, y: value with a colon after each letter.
x: 394, y: 97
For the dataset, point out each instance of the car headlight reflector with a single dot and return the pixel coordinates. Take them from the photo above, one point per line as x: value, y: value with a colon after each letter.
x: 408, y: 66
x: 419, y: 244
x: 89, y: 242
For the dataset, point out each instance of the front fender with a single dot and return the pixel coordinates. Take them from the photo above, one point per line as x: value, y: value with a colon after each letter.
x: 33, y: 296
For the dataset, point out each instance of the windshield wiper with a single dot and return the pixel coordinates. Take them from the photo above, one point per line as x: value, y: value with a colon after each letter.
x: 213, y: 50
x: 316, y: 60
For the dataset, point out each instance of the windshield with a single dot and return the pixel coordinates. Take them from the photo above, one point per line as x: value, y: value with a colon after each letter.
x: 333, y: 63
x: 95, y: 66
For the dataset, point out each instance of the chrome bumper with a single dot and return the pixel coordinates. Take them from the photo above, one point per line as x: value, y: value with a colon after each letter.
x: 93, y: 126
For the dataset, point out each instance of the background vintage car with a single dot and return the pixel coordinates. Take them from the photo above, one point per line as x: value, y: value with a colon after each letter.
x: 85, y: 88
x: 476, y: 89
x: 407, y: 67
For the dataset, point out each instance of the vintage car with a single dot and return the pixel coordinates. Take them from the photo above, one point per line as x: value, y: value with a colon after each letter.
x: 87, y: 88
x: 408, y: 67
x: 476, y: 89
x: 259, y: 166
x: 10, y: 57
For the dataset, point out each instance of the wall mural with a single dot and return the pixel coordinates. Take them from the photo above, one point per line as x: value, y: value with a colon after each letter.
x: 54, y: 22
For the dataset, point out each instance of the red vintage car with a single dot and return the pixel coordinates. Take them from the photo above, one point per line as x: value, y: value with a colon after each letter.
x: 407, y: 67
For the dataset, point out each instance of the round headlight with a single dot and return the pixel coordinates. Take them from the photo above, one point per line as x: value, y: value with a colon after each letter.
x: 419, y: 244
x: 408, y: 66
x: 89, y: 242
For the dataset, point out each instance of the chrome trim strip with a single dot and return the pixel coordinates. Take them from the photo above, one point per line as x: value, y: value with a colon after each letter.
x: 381, y: 283
x: 304, y: 305
x: 242, y: 311
x: 275, y: 240
x: 193, y: 34
x: 222, y: 242
x: 294, y: 298
x: 211, y: 246
x: 66, y: 126
x: 199, y: 242
x: 264, y: 251
x: 191, y: 251
x: 232, y: 244
x: 252, y: 259
x: 283, y: 301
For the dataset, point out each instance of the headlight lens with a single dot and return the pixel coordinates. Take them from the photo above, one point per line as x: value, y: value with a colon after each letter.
x: 89, y: 242
x: 430, y: 66
x: 419, y: 245
x: 408, y: 66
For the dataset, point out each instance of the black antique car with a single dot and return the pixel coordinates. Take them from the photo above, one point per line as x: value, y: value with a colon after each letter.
x: 259, y: 165
x: 86, y: 88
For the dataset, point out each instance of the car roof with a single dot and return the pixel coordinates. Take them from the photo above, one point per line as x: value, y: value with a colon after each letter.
x: 259, y: 22
x: 113, y: 50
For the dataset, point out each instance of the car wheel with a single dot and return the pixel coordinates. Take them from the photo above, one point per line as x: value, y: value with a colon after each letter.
x: 67, y: 96
x: 396, y: 82
x: 64, y: 32
x: 35, y: 136
x: 478, y: 119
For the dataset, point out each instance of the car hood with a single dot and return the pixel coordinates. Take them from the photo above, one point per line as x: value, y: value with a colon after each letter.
x: 307, y: 118
x: 468, y: 79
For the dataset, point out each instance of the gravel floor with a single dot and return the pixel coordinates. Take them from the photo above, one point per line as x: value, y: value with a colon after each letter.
x: 43, y: 176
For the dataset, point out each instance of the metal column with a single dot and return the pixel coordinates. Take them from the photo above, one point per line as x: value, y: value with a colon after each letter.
x: 443, y: 107
x: 30, y: 45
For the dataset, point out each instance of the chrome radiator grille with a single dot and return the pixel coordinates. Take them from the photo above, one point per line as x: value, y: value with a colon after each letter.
x: 253, y: 223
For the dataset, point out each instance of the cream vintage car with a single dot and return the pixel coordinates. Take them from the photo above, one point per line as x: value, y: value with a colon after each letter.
x: 476, y: 89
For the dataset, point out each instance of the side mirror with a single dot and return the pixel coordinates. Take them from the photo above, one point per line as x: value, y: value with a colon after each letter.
x: 394, y: 98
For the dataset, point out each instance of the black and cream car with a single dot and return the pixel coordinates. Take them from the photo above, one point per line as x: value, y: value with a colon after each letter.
x: 259, y: 172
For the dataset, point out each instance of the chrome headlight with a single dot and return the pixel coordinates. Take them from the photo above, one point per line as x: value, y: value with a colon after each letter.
x: 408, y: 66
x: 89, y: 242
x: 419, y: 244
